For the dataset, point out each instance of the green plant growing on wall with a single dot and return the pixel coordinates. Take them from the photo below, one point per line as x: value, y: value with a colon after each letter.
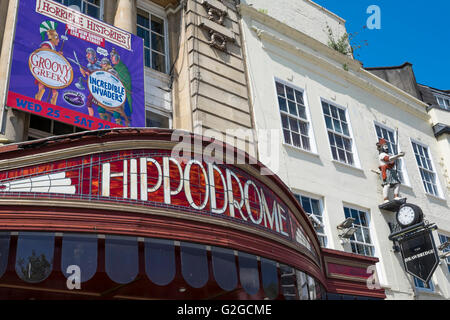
x: 340, y: 44
x: 347, y: 43
x: 265, y: 11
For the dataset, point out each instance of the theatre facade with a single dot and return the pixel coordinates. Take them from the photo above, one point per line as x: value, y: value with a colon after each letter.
x: 128, y: 214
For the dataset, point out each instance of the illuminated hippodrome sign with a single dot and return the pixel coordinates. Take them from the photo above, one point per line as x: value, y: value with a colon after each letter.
x: 154, y: 178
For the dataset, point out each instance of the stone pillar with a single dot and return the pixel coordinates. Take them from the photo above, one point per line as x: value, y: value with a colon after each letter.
x: 3, y: 11
x: 126, y: 15
x: 109, y: 11
x: 14, y: 122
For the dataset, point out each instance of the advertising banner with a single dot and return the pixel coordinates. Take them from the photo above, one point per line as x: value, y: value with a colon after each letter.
x: 72, y: 68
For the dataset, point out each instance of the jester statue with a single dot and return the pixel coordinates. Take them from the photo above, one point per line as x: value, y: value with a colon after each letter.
x: 48, y: 28
x: 125, y: 78
x: 388, y: 168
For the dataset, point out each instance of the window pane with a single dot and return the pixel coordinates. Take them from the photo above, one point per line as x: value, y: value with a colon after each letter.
x: 160, y: 261
x: 312, y: 288
x: 345, y: 129
x: 299, y: 97
x: 121, y: 258
x: 316, y: 207
x: 288, y: 282
x: 292, y: 108
x: 142, y: 19
x: 147, y: 58
x: 367, y: 236
x: 303, y: 128
x: 306, y: 204
x: 282, y: 104
x: 34, y: 257
x: 302, y: 285
x: 224, y: 267
x: 93, y: 11
x: 154, y: 120
x: 290, y: 93
x: 158, y: 62
x: 80, y: 250
x: 158, y: 43
x: 4, y: 252
x: 331, y: 138
x: 144, y: 34
x: 157, y: 25
x: 294, y: 125
x: 296, y: 140
x: 284, y: 121
x: 287, y: 136
x: 337, y: 126
x: 73, y: 3
x: 269, y: 278
x: 342, y: 115
x: 194, y: 264
x: 341, y: 154
x: 325, y: 108
x: 302, y: 112
x: 329, y: 122
x: 249, y: 275
x: 334, y: 152
x: 280, y: 89
x: 334, y: 112
x: 305, y: 142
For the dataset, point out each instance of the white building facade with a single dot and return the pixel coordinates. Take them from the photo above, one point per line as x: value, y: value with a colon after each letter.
x: 330, y: 113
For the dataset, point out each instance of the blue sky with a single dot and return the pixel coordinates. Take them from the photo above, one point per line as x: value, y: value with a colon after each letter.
x: 414, y: 31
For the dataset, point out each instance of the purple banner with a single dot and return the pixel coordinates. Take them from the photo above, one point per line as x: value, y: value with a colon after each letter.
x: 73, y: 68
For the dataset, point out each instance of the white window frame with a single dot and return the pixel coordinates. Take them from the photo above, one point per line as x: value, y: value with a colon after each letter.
x: 357, y: 163
x: 406, y: 181
x: 321, y: 208
x: 438, y: 184
x: 447, y: 260
x: 312, y: 140
x: 157, y: 11
x: 369, y: 227
x: 158, y: 112
x: 446, y: 100
x: 101, y: 7
x: 416, y: 282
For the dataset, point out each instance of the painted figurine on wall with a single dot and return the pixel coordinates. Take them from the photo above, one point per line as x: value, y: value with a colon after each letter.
x: 388, y: 168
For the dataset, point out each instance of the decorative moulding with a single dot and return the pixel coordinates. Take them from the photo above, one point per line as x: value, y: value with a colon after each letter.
x: 216, y: 10
x: 218, y: 33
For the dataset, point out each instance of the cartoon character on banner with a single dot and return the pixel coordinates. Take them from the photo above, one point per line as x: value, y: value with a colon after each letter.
x: 125, y: 78
x: 389, y: 170
x: 117, y: 113
x: 92, y: 65
x: 48, y: 28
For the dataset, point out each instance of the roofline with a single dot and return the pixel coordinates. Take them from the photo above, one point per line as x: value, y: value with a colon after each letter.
x: 390, y: 67
x: 440, y: 90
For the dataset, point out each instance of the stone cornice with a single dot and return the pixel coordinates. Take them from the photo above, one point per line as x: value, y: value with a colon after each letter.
x: 356, y: 74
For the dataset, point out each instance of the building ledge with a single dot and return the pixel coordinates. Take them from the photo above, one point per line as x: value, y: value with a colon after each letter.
x: 347, y: 166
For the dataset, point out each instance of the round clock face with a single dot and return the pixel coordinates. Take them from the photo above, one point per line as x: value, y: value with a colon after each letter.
x: 406, y: 216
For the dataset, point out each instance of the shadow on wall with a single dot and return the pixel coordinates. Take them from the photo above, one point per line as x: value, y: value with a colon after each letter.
x: 342, y: 168
x: 302, y: 155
